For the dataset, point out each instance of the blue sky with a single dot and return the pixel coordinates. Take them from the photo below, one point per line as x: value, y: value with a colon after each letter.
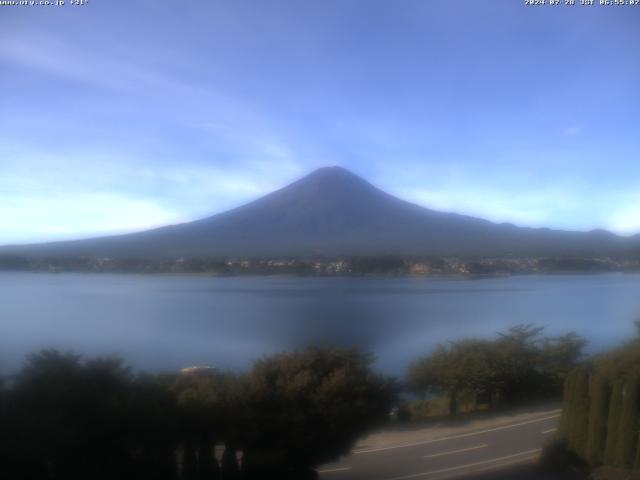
x: 122, y: 115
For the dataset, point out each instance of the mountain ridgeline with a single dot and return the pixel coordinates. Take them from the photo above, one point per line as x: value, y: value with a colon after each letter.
x: 332, y: 212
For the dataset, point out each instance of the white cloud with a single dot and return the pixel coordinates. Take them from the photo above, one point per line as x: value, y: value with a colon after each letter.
x: 78, y: 215
x: 49, y: 185
x: 626, y: 220
x: 51, y: 196
x: 533, y: 208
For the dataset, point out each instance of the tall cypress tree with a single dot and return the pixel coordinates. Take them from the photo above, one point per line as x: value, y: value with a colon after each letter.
x: 628, y: 428
x: 579, y: 417
x: 598, y: 416
x: 566, y: 405
x: 613, y: 422
x: 636, y: 461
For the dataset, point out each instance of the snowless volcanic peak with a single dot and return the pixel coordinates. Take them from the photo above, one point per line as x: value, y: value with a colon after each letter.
x: 332, y: 211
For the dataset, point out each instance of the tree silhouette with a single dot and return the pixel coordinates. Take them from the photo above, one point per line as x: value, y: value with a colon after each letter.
x: 450, y: 369
x: 65, y: 418
x: 307, y: 408
x: 72, y: 419
x: 517, y: 366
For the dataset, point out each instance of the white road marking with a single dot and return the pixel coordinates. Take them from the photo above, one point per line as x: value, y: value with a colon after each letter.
x: 331, y: 470
x: 489, y: 468
x: 469, y: 465
x: 454, y: 437
x: 551, y: 430
x: 477, y: 447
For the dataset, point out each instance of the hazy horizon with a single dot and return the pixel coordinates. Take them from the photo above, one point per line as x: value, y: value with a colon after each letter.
x: 214, y: 214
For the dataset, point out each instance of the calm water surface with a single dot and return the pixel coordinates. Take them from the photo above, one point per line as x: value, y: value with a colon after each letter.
x: 167, y: 322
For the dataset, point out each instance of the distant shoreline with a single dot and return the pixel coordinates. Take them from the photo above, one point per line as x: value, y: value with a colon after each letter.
x: 344, y: 266
x: 451, y: 276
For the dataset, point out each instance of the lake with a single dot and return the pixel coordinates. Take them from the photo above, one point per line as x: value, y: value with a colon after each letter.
x: 168, y: 322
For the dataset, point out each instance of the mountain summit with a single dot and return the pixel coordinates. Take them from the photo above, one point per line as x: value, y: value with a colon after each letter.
x: 332, y: 211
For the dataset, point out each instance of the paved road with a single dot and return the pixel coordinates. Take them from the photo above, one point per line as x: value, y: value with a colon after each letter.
x: 461, y: 453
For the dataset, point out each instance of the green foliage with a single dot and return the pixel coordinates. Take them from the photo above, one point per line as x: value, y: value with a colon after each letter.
x: 568, y: 390
x: 613, y: 403
x: 519, y: 362
x: 308, y: 408
x: 518, y: 366
x: 613, y: 422
x: 209, y: 404
x: 438, y: 406
x: 558, y: 356
x: 558, y: 459
x: 4, y: 421
x: 72, y: 419
x: 621, y: 363
x: 460, y: 366
x: 65, y: 418
x: 628, y: 429
x: 622, y: 369
x: 598, y: 412
x: 579, y: 413
x: 636, y: 460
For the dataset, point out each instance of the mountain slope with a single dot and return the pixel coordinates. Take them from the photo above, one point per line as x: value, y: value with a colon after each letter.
x: 334, y: 212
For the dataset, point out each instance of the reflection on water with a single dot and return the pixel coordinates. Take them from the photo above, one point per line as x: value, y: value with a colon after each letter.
x: 167, y: 322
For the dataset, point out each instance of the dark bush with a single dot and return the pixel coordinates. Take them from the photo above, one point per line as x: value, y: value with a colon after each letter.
x: 64, y: 418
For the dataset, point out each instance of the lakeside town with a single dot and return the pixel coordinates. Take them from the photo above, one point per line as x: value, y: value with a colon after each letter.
x: 328, y: 266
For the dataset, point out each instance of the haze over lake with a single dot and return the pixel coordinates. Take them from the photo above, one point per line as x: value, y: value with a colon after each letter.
x: 168, y: 322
